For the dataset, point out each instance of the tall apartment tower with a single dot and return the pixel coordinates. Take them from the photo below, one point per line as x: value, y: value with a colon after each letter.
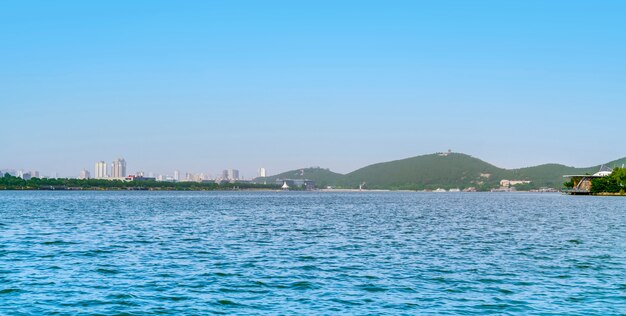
x: 262, y: 173
x: 233, y: 174
x: 118, y: 168
x: 230, y: 174
x: 176, y: 175
x: 84, y: 174
x: 101, y: 170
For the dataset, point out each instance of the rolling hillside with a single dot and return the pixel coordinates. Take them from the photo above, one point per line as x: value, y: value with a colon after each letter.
x: 551, y: 175
x: 429, y: 172
x: 449, y: 170
x: 322, y: 177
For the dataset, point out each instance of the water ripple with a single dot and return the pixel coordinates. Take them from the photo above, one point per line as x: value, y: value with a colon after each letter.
x: 196, y: 253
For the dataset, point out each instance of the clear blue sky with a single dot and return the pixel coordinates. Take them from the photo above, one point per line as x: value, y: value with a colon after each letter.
x: 207, y: 85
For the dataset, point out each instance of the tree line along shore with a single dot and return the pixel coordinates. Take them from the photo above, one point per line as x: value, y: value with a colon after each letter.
x: 8, y: 182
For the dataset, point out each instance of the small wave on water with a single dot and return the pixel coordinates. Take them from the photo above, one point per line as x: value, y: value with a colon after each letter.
x: 10, y: 291
x: 58, y: 243
x: 107, y: 271
x: 227, y: 302
x: 372, y: 288
x: 178, y: 253
x: 222, y: 274
x: 303, y: 285
x: 122, y: 296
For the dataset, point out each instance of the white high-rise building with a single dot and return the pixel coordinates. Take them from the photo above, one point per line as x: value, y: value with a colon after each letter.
x: 118, y: 168
x: 84, y: 174
x: 101, y: 170
x: 262, y: 173
x: 176, y: 175
x: 233, y: 174
x: 230, y: 174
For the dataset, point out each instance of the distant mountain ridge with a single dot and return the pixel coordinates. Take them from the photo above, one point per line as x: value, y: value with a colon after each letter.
x: 439, y: 170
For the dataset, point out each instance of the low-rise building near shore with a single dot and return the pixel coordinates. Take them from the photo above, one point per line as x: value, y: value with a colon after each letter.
x: 509, y: 183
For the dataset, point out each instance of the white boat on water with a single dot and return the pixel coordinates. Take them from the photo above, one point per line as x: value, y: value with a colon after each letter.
x: 440, y: 190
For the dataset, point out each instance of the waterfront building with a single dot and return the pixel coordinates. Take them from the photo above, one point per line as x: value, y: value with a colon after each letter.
x: 100, y: 170
x: 118, y: 168
x: 84, y: 174
x: 582, y: 183
x: 262, y: 173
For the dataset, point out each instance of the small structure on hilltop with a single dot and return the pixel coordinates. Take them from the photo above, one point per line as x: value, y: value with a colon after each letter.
x: 582, y: 183
x: 444, y: 154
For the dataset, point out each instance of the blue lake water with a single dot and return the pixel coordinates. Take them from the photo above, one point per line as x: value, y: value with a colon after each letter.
x: 138, y: 253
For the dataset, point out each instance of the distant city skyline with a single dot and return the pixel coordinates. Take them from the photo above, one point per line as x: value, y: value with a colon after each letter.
x: 201, y: 86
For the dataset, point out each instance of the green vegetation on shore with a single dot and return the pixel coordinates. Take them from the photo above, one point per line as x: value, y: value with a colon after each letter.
x: 614, y: 183
x: 8, y: 182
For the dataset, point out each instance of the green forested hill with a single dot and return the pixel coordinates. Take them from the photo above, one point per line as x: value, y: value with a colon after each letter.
x: 429, y: 172
x: 550, y: 175
x: 450, y: 170
x: 617, y: 163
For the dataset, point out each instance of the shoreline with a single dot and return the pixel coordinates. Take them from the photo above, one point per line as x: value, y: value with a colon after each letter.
x: 73, y: 189
x: 609, y: 194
